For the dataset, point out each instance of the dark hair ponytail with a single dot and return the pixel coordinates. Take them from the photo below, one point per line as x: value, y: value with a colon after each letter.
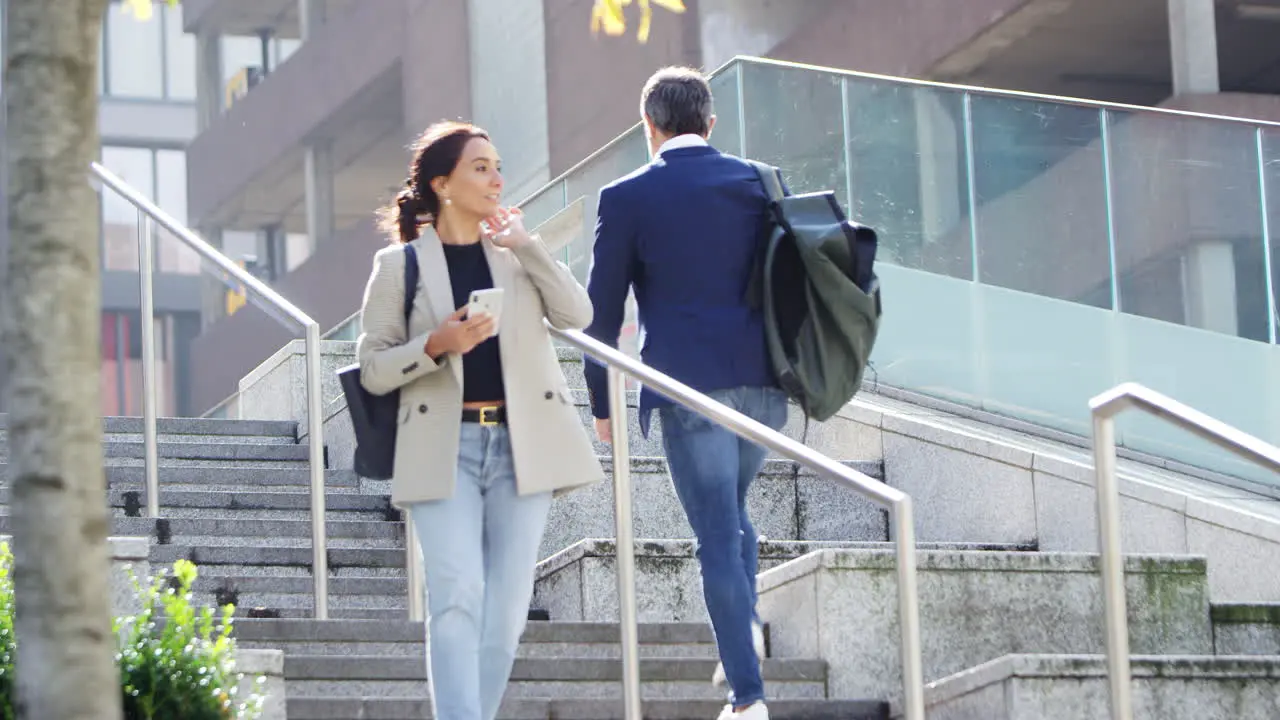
x: 408, y: 215
x: 436, y: 154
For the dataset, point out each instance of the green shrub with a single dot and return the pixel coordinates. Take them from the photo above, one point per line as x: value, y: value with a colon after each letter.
x: 177, y: 661
x: 8, y: 638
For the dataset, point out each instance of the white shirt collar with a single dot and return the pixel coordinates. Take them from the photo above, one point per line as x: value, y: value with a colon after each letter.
x: 683, y: 141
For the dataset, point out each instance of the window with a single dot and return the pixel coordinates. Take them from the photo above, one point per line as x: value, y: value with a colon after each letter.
x: 161, y: 175
x: 147, y: 60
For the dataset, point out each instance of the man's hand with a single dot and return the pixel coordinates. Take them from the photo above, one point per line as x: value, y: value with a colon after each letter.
x: 604, y: 430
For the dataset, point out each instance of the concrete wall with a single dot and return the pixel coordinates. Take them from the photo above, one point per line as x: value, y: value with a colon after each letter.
x: 1068, y: 687
x: 594, y: 82
x: 509, y: 88
x: 842, y: 606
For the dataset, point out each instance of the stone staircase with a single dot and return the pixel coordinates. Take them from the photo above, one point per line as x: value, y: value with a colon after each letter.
x: 235, y: 500
x: 377, y: 670
x: 999, y: 614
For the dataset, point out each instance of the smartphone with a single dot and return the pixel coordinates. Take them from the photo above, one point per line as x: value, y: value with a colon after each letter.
x: 488, y: 302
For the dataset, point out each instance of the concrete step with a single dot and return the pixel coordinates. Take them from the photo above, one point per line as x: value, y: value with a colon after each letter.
x: 266, y: 478
x: 268, y: 555
x: 540, y: 640
x: 340, y: 633
x: 243, y: 600
x: 319, y: 708
x: 231, y: 531
x: 230, y: 452
x: 244, y: 570
x: 237, y: 502
x: 201, y: 427
x: 216, y: 513
x: 363, y: 676
x: 301, y: 585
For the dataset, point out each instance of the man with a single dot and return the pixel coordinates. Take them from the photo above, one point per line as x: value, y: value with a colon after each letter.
x: 683, y: 233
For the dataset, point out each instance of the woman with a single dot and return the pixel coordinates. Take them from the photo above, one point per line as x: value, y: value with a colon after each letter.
x: 488, y: 430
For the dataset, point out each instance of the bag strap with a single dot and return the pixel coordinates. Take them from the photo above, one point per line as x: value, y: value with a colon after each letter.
x: 771, y: 177
x: 410, y: 280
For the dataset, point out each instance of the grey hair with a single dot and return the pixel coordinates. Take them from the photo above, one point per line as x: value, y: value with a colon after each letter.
x: 677, y: 100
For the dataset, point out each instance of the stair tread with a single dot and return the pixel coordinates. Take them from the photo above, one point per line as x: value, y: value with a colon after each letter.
x: 377, y: 667
x: 337, y: 631
x: 327, y: 708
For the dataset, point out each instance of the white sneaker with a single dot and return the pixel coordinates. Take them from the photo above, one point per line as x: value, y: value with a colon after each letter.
x: 757, y: 641
x: 757, y: 711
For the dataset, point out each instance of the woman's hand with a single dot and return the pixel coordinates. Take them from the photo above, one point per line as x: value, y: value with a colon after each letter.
x: 459, y: 334
x: 506, y: 229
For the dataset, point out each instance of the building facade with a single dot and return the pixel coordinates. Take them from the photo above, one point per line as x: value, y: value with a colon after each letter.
x: 289, y: 166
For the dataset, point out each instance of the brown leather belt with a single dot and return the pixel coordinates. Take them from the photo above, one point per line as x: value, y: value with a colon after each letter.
x: 491, y: 415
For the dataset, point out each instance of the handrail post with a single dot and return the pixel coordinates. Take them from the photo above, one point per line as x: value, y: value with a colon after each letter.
x: 315, y: 433
x: 1118, y: 671
x: 627, y: 614
x: 146, y: 317
x: 413, y: 571
x: 909, y: 610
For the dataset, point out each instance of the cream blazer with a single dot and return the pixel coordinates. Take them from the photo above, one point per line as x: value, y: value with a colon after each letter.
x: 549, y: 441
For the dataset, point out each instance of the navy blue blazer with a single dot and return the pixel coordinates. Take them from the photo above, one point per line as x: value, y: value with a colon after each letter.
x: 682, y: 231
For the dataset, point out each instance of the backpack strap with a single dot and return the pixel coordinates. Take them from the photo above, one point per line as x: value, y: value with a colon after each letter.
x: 771, y: 178
x: 411, y: 271
x: 776, y: 189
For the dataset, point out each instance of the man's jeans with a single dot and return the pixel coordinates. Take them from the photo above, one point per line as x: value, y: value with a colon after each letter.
x: 712, y: 468
x: 479, y: 550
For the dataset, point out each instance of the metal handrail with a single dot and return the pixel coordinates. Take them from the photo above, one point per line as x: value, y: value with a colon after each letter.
x: 1105, y: 408
x: 149, y: 215
x: 899, y: 502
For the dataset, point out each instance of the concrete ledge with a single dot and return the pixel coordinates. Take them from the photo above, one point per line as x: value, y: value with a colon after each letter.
x: 269, y: 664
x: 127, y: 554
x: 277, y: 389
x: 580, y: 582
x: 841, y: 605
x: 1246, y: 629
x: 1072, y: 687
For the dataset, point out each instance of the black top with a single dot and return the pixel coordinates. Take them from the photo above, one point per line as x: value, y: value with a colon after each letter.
x: 482, y: 367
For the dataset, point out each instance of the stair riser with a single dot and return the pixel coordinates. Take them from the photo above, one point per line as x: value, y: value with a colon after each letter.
x: 555, y: 651
x: 203, y: 439
x: 259, y: 514
x: 694, y: 689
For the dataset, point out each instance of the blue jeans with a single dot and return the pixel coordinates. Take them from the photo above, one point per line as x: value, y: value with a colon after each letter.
x: 712, y: 469
x: 479, y: 550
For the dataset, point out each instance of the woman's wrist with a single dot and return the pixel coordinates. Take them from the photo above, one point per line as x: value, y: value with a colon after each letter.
x: 432, y: 347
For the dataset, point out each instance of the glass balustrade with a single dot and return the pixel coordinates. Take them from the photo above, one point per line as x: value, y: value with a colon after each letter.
x: 1034, y: 251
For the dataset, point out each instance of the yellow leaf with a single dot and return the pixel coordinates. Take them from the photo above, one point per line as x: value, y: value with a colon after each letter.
x: 646, y: 20
x: 675, y: 6
x: 141, y: 9
x: 607, y: 15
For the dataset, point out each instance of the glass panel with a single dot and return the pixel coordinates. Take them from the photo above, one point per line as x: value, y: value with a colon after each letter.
x: 135, y: 60
x: 726, y: 136
x: 792, y: 122
x: 1271, y: 171
x: 907, y: 165
x: 1041, y: 359
x: 625, y: 156
x: 119, y: 218
x: 539, y: 208
x: 1039, y: 165
x: 1188, y: 222
x: 180, y: 63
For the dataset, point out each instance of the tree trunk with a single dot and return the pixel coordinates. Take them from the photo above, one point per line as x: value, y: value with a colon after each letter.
x: 65, y: 668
